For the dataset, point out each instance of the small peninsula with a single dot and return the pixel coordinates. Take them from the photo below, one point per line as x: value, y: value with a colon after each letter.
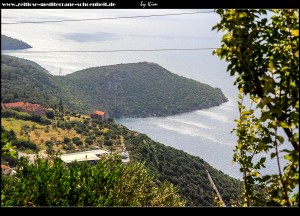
x: 8, y: 43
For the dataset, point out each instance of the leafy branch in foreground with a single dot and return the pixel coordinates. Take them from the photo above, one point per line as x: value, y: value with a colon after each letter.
x: 262, y: 48
x: 7, y: 149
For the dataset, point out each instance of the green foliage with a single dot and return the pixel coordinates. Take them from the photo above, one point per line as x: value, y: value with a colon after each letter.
x: 67, y: 140
x: 60, y: 106
x: 27, y: 81
x: 9, y: 154
x: 185, y: 171
x: 263, y: 54
x: 7, y: 149
x: 22, y: 143
x: 108, y: 183
x: 141, y: 90
x: 49, y: 143
x: 125, y: 90
x: 89, y: 140
x: 24, y: 116
x: 108, y: 142
x: 77, y: 141
x: 68, y: 125
x: 8, y: 43
x: 49, y: 150
x: 50, y: 114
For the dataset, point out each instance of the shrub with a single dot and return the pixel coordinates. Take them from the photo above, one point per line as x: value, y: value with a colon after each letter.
x: 49, y: 143
x: 77, y: 141
x: 116, y: 185
x: 22, y: 143
x: 89, y: 140
x: 67, y: 140
x: 50, y: 114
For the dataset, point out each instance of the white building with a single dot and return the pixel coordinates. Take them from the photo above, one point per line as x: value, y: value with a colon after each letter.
x: 91, y: 156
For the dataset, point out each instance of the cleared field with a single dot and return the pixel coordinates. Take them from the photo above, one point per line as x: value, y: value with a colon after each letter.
x: 40, y: 134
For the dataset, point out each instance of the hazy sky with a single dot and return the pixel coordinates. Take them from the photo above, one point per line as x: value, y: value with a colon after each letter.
x: 182, y: 26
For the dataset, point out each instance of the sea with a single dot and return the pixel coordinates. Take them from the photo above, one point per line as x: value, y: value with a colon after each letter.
x: 76, y: 39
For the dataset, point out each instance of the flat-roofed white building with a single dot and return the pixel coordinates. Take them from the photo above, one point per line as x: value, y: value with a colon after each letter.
x: 69, y: 158
x: 92, y: 155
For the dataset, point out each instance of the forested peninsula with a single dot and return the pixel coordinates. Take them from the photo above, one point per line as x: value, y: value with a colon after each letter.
x: 125, y: 90
x: 8, y: 43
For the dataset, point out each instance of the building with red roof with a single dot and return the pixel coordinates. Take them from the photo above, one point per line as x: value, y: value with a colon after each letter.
x: 26, y: 107
x: 100, y: 115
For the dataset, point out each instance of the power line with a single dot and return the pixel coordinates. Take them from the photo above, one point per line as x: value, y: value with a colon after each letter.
x: 105, y: 51
x: 105, y: 18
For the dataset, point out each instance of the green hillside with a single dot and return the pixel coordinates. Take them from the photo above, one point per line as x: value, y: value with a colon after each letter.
x: 71, y: 132
x: 24, y: 80
x: 124, y: 90
x: 8, y: 43
x: 142, y: 89
x: 185, y: 171
x: 127, y: 90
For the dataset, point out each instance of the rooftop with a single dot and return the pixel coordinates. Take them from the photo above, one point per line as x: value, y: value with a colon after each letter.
x: 79, y: 157
x: 23, y: 105
x: 98, y: 112
x: 14, y: 104
x: 83, y: 156
x: 92, y: 155
x: 3, y: 166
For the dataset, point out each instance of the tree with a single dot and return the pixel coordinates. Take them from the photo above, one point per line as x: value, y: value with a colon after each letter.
x: 262, y: 48
x: 60, y: 106
x: 77, y: 141
x: 7, y: 149
x: 67, y: 139
x: 107, y: 183
x: 89, y: 140
x: 9, y: 154
x: 50, y: 114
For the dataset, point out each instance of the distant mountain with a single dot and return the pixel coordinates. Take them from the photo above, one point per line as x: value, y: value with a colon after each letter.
x: 8, y: 43
x: 142, y: 89
x: 124, y: 90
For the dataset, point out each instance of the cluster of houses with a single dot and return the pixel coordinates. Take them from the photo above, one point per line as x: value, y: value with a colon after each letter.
x: 37, y: 109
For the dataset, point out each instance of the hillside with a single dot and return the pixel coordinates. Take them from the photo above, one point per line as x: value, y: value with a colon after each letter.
x: 124, y: 90
x: 24, y: 80
x: 143, y: 89
x: 185, y: 171
x: 8, y: 43
x: 70, y: 132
